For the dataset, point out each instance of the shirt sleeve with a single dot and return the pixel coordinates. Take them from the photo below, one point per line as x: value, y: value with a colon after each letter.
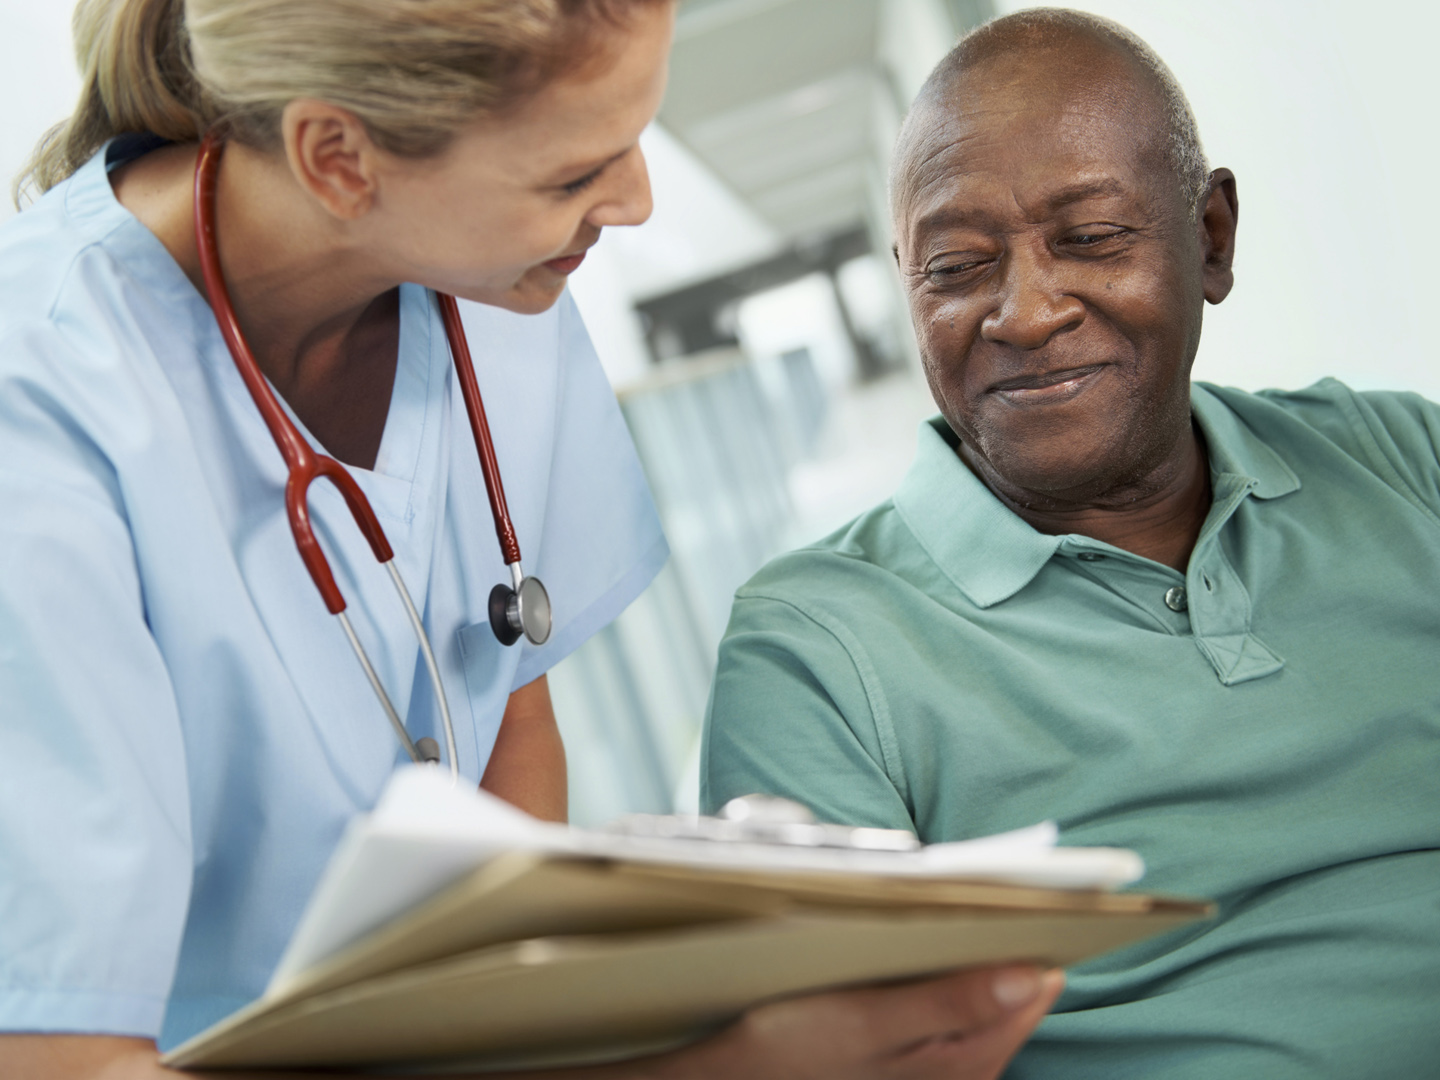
x: 793, y: 713
x: 94, y: 818
x: 601, y: 543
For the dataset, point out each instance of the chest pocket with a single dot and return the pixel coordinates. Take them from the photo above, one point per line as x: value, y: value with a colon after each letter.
x: 489, y: 670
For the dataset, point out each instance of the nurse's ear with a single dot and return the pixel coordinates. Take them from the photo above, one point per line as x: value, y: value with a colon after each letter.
x: 331, y: 156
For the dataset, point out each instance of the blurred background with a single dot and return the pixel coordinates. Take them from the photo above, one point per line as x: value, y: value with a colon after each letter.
x: 754, y: 328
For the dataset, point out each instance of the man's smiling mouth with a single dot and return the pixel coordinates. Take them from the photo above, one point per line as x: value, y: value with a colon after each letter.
x: 1046, y: 388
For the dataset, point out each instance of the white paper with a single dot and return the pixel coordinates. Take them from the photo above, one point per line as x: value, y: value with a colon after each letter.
x: 424, y: 835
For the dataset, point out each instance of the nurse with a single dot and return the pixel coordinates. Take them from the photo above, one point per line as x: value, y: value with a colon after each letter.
x: 183, y: 730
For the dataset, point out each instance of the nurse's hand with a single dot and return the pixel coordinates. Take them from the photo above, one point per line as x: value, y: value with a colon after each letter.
x: 965, y: 1026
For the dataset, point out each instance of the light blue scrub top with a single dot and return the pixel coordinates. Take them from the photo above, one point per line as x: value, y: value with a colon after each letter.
x: 184, y: 731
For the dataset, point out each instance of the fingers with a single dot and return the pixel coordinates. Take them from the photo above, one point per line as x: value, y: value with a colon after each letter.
x: 51, y: 1057
x: 958, y: 1004
x: 983, y: 1053
x: 964, y: 1026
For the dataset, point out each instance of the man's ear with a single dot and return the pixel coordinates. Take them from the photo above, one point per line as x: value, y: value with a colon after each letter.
x: 1218, y: 218
x: 331, y: 156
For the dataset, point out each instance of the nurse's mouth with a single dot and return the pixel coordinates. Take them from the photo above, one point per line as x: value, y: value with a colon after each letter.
x: 566, y: 264
x: 1047, y: 388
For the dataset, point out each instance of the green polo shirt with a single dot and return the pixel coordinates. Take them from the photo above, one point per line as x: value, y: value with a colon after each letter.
x: 1263, y: 729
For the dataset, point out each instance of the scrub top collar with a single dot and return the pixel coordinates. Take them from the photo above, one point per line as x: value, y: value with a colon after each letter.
x: 412, y: 465
x: 90, y: 202
x: 989, y: 553
x: 91, y: 207
x: 123, y: 149
x: 390, y: 485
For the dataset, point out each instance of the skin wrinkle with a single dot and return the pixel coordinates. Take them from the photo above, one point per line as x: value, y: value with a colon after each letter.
x: 1042, y: 236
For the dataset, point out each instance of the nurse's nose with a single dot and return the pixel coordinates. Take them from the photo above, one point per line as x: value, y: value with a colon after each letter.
x: 625, y: 198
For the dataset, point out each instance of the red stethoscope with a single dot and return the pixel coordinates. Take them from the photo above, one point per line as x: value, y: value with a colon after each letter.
x: 522, y: 608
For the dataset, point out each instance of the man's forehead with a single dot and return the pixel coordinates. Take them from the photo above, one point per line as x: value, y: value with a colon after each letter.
x: 1062, y: 127
x: 1058, y: 156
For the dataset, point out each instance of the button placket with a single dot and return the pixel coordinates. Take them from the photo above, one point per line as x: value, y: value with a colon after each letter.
x: 1137, y: 581
x: 1220, y: 612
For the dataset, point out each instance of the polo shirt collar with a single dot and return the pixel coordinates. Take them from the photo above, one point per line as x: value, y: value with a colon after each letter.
x: 990, y: 554
x: 982, y: 546
x: 1235, y: 450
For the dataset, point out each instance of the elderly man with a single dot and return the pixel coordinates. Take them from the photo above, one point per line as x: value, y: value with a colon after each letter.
x: 1195, y: 622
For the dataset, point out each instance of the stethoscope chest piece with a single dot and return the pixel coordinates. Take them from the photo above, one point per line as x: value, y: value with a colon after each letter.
x: 524, y: 609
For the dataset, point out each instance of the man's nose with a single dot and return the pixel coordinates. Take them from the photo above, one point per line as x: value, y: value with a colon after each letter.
x: 628, y: 200
x: 1032, y: 304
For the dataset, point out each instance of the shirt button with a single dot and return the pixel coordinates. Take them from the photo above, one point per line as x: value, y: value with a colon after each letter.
x: 1175, y: 599
x: 1089, y: 556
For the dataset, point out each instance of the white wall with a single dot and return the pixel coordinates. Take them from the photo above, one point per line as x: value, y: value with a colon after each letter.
x: 1326, y: 111
x: 699, y: 228
x: 38, y: 83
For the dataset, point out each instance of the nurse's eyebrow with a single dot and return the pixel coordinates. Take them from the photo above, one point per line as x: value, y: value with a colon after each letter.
x: 575, y: 173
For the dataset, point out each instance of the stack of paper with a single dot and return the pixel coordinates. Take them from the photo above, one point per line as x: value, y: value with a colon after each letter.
x: 450, y: 927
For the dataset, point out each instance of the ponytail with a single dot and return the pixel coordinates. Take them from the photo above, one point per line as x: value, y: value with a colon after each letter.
x: 413, y: 71
x: 134, y: 60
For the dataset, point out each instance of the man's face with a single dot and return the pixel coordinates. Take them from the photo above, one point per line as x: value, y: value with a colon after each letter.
x: 1054, y: 276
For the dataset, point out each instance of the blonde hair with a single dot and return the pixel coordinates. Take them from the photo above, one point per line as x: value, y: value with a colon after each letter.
x: 413, y: 71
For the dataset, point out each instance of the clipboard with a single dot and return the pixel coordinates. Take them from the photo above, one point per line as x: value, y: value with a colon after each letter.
x: 543, y: 958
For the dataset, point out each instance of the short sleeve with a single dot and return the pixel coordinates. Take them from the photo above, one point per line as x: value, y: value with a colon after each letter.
x: 792, y: 713
x: 94, y: 818
x: 601, y: 542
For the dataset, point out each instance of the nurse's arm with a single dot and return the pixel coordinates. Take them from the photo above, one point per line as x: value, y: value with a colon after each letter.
x: 964, y: 1026
x: 527, y: 766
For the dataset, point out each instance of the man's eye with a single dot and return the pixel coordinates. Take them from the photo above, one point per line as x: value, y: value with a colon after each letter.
x: 1092, y: 238
x: 952, y: 270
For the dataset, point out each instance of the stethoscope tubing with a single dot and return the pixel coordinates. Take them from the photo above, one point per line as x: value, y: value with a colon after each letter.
x: 305, y: 465
x: 480, y: 429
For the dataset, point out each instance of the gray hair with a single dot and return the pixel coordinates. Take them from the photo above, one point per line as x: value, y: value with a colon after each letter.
x: 1042, y: 27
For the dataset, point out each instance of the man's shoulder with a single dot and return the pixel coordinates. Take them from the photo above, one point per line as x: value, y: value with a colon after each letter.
x: 1330, y: 408
x: 867, y: 545
x: 1393, y: 435
x: 845, y: 587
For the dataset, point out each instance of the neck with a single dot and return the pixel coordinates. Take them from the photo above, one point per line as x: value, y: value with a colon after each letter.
x: 298, y: 277
x: 317, y: 310
x: 1158, y: 516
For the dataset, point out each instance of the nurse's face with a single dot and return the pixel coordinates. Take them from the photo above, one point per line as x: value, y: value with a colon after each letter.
x: 507, y: 212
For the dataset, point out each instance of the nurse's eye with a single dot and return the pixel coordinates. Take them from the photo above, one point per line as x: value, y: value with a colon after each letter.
x: 574, y: 187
